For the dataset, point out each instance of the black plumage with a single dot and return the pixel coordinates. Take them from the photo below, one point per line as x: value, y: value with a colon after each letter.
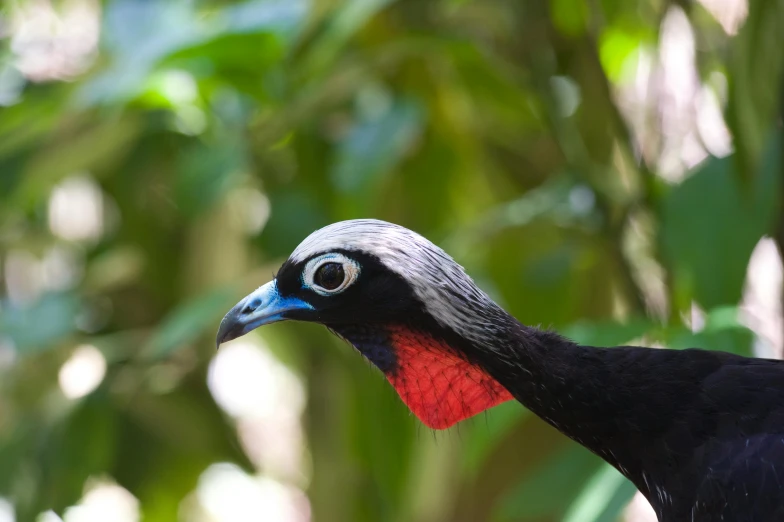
x: 700, y: 433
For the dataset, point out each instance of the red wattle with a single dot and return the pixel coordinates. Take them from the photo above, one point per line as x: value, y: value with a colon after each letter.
x: 436, y: 384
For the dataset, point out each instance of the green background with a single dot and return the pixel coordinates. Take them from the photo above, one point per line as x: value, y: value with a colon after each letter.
x: 525, y: 137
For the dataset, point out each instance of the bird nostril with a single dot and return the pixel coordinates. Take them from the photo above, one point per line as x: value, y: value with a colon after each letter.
x: 251, y: 307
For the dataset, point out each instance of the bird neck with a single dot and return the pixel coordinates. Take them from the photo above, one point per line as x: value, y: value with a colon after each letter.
x: 599, y: 397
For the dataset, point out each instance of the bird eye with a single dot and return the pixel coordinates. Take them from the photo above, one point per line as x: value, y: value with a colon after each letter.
x: 329, y: 276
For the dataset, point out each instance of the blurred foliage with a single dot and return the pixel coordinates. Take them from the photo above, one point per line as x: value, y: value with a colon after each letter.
x: 221, y: 133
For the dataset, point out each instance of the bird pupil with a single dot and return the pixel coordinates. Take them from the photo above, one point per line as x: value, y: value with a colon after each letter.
x: 330, y: 275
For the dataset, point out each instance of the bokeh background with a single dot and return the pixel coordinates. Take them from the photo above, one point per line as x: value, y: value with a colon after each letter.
x: 608, y: 168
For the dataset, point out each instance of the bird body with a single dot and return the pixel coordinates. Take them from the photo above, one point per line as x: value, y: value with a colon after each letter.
x: 700, y: 433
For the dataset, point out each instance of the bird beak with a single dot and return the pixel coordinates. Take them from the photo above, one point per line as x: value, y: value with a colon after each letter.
x: 264, y: 306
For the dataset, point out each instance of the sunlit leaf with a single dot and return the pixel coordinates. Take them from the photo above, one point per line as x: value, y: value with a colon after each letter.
x: 138, y: 35
x: 617, y: 45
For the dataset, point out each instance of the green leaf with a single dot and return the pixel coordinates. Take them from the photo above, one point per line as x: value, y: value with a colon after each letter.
x: 228, y: 58
x: 570, y: 16
x: 754, y: 103
x: 188, y: 322
x: 711, y: 223
x: 137, y: 35
x: 344, y: 21
x: 485, y: 433
x: 722, y: 331
x: 542, y: 492
x: 616, y: 46
x: 606, y: 333
x: 140, y: 35
x: 737, y: 340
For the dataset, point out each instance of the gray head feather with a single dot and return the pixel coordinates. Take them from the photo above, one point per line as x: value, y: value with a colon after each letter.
x: 442, y: 285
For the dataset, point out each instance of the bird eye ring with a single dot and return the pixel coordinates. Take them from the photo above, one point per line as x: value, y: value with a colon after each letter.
x: 330, y: 274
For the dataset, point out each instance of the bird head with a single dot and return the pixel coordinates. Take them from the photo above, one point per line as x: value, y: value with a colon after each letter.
x: 401, y: 301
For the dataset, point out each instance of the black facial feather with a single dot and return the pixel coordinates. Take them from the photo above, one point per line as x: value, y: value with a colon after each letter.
x: 377, y: 295
x: 377, y: 299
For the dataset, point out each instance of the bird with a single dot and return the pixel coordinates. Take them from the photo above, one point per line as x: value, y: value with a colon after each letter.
x: 700, y: 433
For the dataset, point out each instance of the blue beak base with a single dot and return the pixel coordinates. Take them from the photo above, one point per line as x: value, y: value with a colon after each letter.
x: 264, y: 306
